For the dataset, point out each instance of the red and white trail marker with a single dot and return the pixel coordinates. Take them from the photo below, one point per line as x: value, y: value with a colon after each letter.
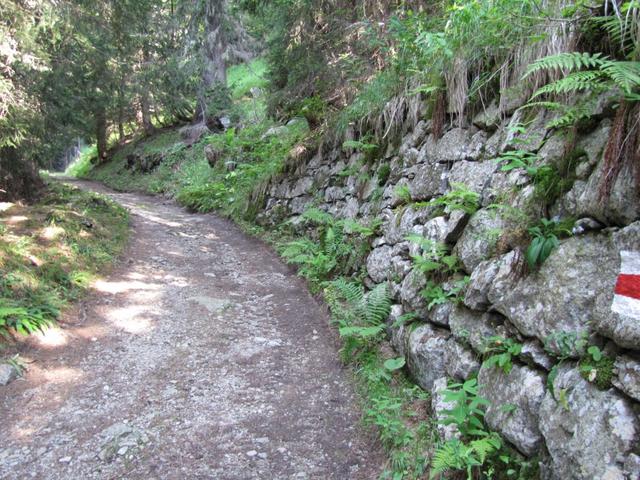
x: 626, y: 299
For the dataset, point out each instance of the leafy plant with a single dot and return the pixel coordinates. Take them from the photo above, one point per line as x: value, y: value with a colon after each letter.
x: 475, y: 444
x: 360, y: 316
x: 545, y: 239
x: 586, y: 72
x: 24, y: 320
x: 596, y: 367
x: 500, y: 353
x: 341, y: 247
x: 403, y: 193
x: 438, y: 294
x: 360, y: 146
x: 435, y: 257
x: 393, y: 364
x: 459, y: 198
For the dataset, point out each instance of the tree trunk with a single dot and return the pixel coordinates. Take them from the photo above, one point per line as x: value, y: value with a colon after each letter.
x: 101, y: 134
x: 147, y: 124
x: 121, y: 107
x: 214, y: 71
x: 145, y: 99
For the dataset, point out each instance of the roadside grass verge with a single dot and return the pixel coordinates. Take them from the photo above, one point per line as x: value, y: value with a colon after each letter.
x: 51, y: 251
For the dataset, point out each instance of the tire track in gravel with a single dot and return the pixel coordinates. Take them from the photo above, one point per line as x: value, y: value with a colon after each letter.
x: 201, y: 356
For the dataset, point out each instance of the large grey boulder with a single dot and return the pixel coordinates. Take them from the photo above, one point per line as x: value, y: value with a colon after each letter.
x: 399, y: 223
x: 489, y: 118
x: 515, y: 403
x: 476, y: 176
x: 333, y: 194
x: 410, y: 293
x: 509, y: 270
x: 478, y: 240
x: 461, y: 362
x: 628, y: 376
x: 429, y: 181
x: 425, y: 354
x: 7, y: 374
x: 589, y: 433
x: 458, y: 144
x: 438, y: 406
x: 439, y: 314
x: 397, y: 331
x: 301, y: 187
x: 379, y: 263
x: 474, y: 328
x: 479, y: 283
x: 561, y: 296
x: 585, y: 198
x: 620, y: 324
x: 584, y: 269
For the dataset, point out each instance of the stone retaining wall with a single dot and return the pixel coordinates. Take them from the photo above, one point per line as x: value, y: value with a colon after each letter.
x: 577, y: 430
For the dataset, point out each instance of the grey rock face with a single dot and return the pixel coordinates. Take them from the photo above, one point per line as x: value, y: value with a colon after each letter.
x: 397, y: 332
x: 584, y: 199
x: 589, y: 433
x: 412, y: 285
x: 628, y: 378
x: 489, y: 118
x: 438, y: 405
x: 439, y: 314
x: 474, y: 328
x: 425, y: 354
x: 523, y: 389
x: 332, y: 194
x: 7, y: 374
x: 436, y: 229
x: 455, y: 226
x: 460, y: 361
x: 428, y: 182
x: 379, y: 263
x: 399, y: 224
x: 456, y: 145
x: 478, y: 239
x: 302, y: 186
x: 622, y: 325
x: 534, y: 354
x: 506, y: 277
x: 480, y: 281
x: 582, y: 268
x: 474, y: 175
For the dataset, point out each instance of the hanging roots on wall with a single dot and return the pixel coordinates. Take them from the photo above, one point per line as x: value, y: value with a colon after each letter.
x: 439, y: 115
x: 623, y: 148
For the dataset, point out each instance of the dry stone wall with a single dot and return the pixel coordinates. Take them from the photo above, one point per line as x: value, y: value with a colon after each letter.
x: 576, y: 430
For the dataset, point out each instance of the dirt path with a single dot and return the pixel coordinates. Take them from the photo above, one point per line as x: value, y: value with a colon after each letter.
x: 201, y: 357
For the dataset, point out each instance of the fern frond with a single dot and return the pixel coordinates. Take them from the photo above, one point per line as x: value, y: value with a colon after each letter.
x: 626, y: 75
x: 378, y: 304
x: 446, y: 457
x: 569, y: 61
x: 317, y: 216
x: 484, y: 447
x: 351, y: 292
x: 574, y: 82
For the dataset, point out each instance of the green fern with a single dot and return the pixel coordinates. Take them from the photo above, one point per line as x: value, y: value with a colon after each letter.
x: 317, y: 216
x: 566, y: 61
x: 602, y: 74
x: 360, y: 316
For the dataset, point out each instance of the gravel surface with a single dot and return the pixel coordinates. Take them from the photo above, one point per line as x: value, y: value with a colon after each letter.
x: 201, y: 356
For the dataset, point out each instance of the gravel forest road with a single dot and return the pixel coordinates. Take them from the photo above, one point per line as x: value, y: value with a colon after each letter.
x: 199, y: 356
